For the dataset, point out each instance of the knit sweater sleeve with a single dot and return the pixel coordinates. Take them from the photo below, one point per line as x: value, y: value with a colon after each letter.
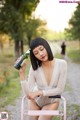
x: 28, y: 84
x: 61, y: 82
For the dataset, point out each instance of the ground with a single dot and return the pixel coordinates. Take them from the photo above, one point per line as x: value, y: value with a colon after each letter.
x: 71, y: 93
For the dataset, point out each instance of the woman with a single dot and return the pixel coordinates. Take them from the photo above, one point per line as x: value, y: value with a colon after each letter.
x: 48, y: 74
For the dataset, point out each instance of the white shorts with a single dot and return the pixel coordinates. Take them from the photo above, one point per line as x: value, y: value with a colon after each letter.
x: 45, y: 100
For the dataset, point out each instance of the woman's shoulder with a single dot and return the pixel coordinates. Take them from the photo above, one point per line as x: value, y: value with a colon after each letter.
x: 61, y: 61
x: 32, y: 70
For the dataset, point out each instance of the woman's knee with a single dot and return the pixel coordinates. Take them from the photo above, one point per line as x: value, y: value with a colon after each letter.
x: 53, y: 106
x: 45, y: 117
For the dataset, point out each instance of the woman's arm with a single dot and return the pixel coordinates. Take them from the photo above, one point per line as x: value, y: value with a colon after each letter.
x: 28, y: 92
x: 29, y: 84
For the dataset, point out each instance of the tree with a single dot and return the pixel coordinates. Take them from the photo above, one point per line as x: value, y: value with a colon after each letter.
x: 4, y: 39
x: 34, y: 27
x: 13, y: 14
x: 74, y: 25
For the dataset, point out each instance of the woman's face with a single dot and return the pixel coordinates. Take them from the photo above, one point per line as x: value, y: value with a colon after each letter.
x: 40, y: 53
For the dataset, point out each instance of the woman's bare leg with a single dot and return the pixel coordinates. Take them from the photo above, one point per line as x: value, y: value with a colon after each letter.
x: 33, y: 106
x: 53, y: 106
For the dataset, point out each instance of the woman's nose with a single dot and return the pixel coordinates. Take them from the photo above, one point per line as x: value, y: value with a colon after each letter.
x: 40, y: 52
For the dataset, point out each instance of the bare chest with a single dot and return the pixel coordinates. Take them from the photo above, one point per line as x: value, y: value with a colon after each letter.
x: 48, y: 74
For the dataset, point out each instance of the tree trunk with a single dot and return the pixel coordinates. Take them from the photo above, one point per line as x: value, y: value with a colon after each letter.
x: 79, y: 44
x: 16, y: 49
x: 22, y: 47
x: 29, y: 40
x: 1, y: 46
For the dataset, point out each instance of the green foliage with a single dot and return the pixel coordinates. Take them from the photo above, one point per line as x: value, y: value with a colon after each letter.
x: 67, y: 33
x: 10, y: 87
x: 74, y: 25
x: 73, y: 112
x: 74, y: 55
x: 12, y: 16
x: 34, y: 27
x: 11, y: 22
x: 56, y: 118
x: 53, y: 35
x: 10, y: 92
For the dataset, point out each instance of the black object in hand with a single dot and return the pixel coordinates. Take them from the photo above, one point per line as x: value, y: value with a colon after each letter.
x: 24, y: 56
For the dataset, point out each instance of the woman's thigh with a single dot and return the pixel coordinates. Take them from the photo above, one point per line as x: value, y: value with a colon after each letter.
x: 53, y: 106
x: 33, y: 106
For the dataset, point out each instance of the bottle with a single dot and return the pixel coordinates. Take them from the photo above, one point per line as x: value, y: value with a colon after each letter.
x: 24, y: 56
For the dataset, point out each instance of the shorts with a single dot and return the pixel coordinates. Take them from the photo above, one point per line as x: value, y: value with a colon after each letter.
x: 45, y: 100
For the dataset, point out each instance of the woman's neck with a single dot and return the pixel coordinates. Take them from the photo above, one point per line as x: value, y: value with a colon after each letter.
x: 48, y: 63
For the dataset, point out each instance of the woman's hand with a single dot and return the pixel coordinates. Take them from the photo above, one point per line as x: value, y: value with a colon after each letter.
x: 22, y: 69
x: 33, y: 95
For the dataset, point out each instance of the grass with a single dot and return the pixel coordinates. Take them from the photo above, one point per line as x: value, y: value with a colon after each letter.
x: 74, y: 55
x: 9, y: 93
x: 10, y: 87
x: 72, y: 51
x: 73, y: 112
x: 9, y: 81
x: 56, y: 118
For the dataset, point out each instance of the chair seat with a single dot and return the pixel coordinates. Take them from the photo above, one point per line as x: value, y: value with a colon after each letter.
x: 43, y: 112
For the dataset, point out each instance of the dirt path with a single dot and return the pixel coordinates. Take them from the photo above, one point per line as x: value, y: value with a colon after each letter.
x: 72, y: 94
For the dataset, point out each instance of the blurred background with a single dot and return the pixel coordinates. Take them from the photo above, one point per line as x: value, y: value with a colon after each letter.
x: 23, y: 20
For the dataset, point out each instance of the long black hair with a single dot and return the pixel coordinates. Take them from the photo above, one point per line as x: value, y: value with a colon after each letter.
x: 35, y: 43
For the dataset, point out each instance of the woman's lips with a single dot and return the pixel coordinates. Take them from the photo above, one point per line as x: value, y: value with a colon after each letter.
x: 43, y: 57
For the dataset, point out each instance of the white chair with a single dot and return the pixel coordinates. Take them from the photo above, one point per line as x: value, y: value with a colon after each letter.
x: 58, y: 112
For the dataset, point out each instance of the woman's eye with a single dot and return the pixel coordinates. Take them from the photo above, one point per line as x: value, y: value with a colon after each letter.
x: 42, y: 49
x: 35, y: 53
